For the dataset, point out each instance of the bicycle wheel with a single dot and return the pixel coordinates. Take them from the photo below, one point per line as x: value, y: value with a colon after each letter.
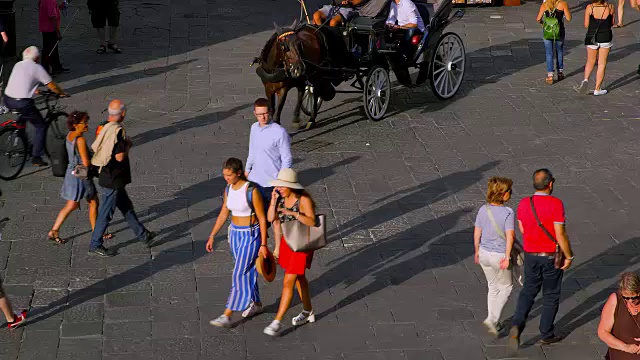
x: 56, y: 131
x: 13, y: 153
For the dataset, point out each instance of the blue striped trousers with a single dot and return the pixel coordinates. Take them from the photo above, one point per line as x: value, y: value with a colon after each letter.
x: 245, y: 244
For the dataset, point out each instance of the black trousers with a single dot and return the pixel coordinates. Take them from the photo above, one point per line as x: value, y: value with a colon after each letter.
x: 52, y: 62
x: 539, y: 273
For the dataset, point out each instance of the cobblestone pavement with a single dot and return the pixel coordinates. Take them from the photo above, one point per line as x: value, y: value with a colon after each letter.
x: 398, y: 280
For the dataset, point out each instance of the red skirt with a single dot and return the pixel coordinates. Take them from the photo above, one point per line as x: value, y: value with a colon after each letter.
x: 294, y: 262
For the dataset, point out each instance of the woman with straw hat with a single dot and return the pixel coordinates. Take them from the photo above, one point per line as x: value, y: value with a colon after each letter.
x: 290, y: 202
x: 247, y: 238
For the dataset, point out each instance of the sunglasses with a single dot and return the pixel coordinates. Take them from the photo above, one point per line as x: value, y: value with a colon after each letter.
x: 637, y: 297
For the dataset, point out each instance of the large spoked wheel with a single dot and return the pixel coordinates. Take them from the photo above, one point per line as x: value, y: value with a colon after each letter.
x: 447, y: 66
x: 307, y: 101
x: 377, y: 93
x: 56, y: 132
x: 13, y: 153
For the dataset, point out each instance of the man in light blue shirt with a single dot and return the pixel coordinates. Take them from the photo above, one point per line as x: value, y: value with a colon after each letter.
x: 405, y: 17
x: 269, y: 150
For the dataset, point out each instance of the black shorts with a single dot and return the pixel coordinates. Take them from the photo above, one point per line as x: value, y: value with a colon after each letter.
x: 110, y: 15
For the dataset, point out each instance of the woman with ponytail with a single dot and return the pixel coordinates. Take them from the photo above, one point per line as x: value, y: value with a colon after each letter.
x: 248, y: 240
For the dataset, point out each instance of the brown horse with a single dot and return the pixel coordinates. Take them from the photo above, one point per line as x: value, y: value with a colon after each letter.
x: 278, y: 77
x: 299, y: 56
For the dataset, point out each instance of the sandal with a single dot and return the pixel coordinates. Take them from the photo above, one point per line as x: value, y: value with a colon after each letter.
x: 114, y: 48
x: 617, y: 26
x: 101, y: 49
x: 54, y: 235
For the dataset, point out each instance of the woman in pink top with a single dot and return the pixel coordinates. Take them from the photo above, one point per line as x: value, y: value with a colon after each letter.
x: 49, y: 23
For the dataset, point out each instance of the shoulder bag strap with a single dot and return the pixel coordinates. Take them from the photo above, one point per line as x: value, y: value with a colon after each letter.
x: 495, y: 225
x: 533, y: 210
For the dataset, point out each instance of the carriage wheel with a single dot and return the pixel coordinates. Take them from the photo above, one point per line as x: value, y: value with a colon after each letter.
x: 377, y: 93
x: 447, y: 66
x: 307, y: 101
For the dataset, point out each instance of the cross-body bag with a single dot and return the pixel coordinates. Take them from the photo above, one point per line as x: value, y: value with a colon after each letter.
x: 558, y: 257
x: 80, y: 171
x: 516, y: 259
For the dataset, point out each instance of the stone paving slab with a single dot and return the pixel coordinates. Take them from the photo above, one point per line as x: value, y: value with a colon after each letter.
x: 397, y: 280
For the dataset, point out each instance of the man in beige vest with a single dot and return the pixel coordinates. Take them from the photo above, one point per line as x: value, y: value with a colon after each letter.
x: 112, y: 148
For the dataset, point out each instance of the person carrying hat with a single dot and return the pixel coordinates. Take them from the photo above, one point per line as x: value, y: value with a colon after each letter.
x: 248, y: 240
x: 290, y: 202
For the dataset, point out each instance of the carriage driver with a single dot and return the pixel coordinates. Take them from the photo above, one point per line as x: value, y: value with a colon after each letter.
x: 347, y: 10
x: 404, y: 17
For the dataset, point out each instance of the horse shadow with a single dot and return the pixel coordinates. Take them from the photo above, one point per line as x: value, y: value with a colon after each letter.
x: 186, y: 124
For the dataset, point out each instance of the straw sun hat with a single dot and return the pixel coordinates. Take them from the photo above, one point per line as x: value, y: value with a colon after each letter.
x: 287, y: 178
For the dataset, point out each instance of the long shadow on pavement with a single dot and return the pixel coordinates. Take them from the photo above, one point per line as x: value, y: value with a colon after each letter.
x: 603, y: 268
x: 399, y: 257
x: 186, y: 124
x: 412, y: 199
x: 175, y: 256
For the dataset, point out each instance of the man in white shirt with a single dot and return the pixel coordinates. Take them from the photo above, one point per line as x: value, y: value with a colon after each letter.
x: 404, y: 16
x: 25, y: 78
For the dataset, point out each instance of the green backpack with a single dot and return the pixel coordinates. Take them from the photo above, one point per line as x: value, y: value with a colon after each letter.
x: 550, y: 26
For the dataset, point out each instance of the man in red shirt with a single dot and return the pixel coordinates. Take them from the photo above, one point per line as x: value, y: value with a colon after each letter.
x: 49, y: 24
x: 540, y: 247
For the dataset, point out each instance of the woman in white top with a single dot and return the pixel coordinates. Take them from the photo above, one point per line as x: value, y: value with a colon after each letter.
x: 248, y: 240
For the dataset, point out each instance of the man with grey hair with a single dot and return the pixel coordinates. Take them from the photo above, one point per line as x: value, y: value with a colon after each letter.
x: 111, y: 154
x: 23, y: 83
x: 541, y: 219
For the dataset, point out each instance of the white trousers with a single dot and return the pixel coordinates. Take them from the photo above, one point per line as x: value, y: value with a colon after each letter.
x: 499, y: 282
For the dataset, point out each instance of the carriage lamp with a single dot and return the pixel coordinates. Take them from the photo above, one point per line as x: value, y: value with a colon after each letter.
x: 415, y: 40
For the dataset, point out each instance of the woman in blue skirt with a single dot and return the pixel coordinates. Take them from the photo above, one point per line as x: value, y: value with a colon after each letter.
x: 75, y: 189
x: 247, y: 238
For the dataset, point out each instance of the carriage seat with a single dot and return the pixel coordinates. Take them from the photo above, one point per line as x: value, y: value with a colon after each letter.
x: 366, y: 24
x: 425, y: 9
x: 377, y: 23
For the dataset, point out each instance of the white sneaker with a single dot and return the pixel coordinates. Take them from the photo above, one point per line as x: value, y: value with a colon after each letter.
x: 222, y: 321
x: 599, y: 92
x: 253, y: 309
x: 491, y: 327
x: 582, y: 88
x: 273, y: 329
x: 303, y: 318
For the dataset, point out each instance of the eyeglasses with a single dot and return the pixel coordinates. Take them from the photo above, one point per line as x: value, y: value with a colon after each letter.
x: 637, y: 297
x: 261, y: 114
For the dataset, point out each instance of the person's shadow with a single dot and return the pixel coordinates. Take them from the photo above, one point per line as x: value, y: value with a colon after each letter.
x: 603, y: 268
x: 411, y: 199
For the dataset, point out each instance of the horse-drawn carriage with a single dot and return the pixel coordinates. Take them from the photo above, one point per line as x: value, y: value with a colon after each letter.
x: 316, y: 59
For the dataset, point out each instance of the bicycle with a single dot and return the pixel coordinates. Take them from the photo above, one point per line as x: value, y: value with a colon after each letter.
x: 14, y: 145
